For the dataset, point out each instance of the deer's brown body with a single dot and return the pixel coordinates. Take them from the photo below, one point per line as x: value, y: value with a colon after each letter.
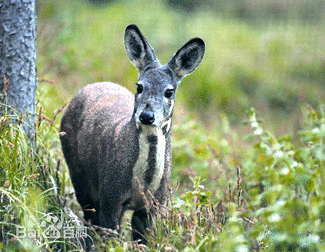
x: 117, y: 146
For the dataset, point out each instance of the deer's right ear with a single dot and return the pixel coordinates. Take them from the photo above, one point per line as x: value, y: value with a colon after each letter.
x: 140, y: 52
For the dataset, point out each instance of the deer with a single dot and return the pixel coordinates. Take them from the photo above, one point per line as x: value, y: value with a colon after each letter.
x: 118, y: 145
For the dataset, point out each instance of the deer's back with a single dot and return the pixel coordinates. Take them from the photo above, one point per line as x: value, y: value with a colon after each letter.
x: 94, y: 123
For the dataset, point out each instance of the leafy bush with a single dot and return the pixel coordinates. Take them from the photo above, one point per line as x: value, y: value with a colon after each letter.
x: 274, y: 203
x: 285, y: 188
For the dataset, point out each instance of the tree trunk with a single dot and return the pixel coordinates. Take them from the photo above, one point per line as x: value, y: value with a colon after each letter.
x: 18, y: 59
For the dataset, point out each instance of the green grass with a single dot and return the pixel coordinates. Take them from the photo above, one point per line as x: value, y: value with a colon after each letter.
x: 267, y: 197
x: 247, y: 181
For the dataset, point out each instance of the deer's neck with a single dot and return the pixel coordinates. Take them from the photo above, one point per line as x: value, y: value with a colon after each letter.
x: 149, y: 167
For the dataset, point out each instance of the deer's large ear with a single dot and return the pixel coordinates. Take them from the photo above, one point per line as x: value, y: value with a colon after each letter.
x: 140, y: 52
x: 187, y: 58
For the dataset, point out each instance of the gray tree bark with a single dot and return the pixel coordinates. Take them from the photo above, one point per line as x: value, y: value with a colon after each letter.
x: 18, y: 59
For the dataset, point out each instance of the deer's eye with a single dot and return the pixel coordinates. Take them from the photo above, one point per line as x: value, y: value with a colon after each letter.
x: 139, y: 88
x: 169, y: 93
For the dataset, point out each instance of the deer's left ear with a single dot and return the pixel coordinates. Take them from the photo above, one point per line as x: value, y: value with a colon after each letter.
x: 187, y: 58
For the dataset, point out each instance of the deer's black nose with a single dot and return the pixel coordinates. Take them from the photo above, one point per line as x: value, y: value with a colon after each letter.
x: 147, y: 117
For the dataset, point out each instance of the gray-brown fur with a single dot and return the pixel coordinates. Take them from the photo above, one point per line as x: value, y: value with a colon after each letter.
x: 118, y: 146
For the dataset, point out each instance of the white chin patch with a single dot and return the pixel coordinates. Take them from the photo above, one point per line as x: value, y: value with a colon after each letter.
x: 168, y: 123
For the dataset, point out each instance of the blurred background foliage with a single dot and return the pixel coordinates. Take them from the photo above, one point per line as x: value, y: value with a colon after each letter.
x: 263, y: 54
